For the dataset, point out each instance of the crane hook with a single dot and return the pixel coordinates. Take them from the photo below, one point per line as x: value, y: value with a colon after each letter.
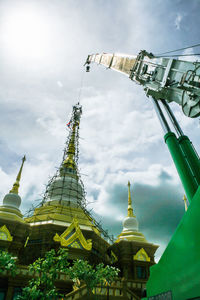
x: 88, y: 68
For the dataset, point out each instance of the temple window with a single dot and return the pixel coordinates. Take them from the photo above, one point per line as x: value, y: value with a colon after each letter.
x: 141, y: 272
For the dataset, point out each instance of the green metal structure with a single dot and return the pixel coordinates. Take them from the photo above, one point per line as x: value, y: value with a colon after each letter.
x: 177, y: 275
x: 182, y: 166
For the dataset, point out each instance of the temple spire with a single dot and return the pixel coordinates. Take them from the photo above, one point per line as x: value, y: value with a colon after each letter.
x: 70, y: 160
x: 15, y: 187
x: 185, y: 202
x: 65, y: 191
x: 130, y: 208
x: 130, y: 230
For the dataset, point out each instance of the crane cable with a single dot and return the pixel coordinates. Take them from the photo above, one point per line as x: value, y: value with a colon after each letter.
x: 177, y: 55
x: 193, y: 46
x: 81, y: 86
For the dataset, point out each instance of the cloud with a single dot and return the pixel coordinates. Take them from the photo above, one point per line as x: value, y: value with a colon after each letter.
x: 158, y: 208
x: 59, y: 83
x: 189, y: 55
x: 178, y: 20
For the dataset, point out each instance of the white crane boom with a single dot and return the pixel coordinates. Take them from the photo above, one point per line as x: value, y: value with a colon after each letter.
x: 162, y: 77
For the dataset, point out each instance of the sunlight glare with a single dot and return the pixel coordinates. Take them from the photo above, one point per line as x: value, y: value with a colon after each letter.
x: 27, y: 34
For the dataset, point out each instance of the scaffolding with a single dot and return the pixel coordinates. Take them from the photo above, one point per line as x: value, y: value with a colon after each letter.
x: 66, y: 186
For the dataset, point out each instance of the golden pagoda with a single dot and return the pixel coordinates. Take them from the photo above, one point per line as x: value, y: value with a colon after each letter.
x: 135, y: 254
x: 62, y: 219
x: 13, y: 229
x: 64, y: 197
x: 130, y: 224
x: 12, y: 201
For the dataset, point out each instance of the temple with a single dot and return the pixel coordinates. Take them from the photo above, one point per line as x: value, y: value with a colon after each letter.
x: 135, y: 255
x: 62, y: 220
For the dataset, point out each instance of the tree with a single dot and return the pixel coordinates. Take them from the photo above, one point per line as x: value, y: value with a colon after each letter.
x: 106, y: 274
x: 47, y: 269
x: 92, y: 277
x: 7, y: 262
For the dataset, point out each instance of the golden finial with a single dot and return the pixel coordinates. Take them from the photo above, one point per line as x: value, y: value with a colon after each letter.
x: 185, y: 201
x: 69, y: 162
x: 16, y: 184
x: 130, y: 209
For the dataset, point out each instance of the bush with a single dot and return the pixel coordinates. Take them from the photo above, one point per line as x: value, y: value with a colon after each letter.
x: 7, y: 262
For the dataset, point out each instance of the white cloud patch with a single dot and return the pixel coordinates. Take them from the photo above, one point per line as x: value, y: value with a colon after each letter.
x: 189, y: 55
x: 178, y: 20
x: 59, y: 83
x: 6, y: 183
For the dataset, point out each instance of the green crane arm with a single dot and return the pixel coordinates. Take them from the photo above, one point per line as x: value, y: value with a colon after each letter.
x: 161, y: 77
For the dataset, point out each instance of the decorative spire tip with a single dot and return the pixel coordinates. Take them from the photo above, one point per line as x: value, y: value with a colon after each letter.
x: 15, y: 187
x: 185, y: 202
x: 130, y: 208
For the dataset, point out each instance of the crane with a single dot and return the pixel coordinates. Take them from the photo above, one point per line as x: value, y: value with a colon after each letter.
x: 162, y: 78
x: 165, y: 80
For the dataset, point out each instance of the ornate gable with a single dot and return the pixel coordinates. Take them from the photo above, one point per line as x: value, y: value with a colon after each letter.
x: 141, y: 255
x: 73, y: 237
x: 5, y: 234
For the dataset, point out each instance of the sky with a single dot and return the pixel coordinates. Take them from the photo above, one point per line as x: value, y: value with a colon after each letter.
x: 43, y: 47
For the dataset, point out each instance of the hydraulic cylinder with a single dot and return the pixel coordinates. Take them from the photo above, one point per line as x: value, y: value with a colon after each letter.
x: 191, y: 156
x: 189, y: 183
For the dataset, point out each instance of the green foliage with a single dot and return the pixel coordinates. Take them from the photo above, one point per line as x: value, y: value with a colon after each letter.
x: 46, y: 270
x: 83, y: 271
x: 106, y: 274
x: 7, y: 262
